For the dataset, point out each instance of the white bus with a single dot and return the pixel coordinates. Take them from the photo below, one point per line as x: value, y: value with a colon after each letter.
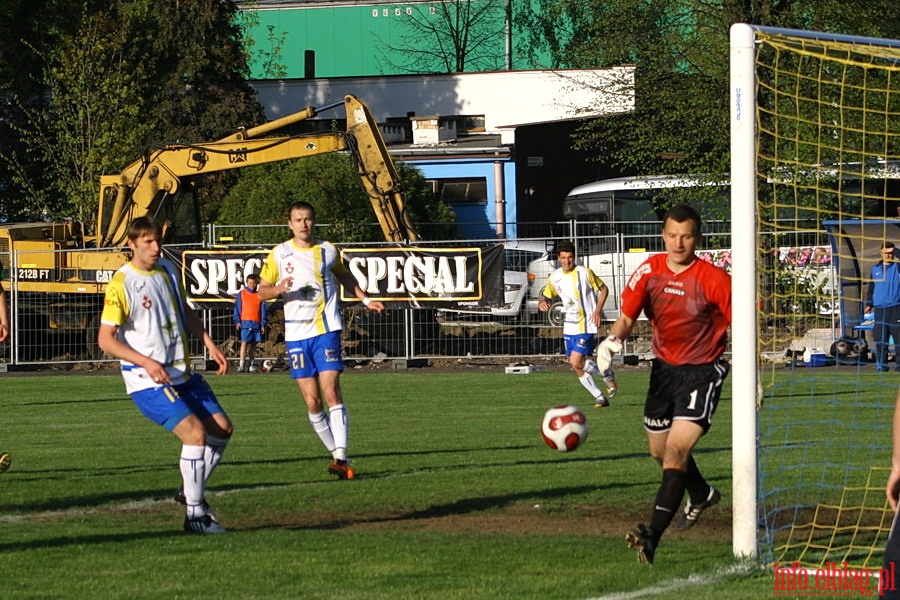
x: 633, y: 207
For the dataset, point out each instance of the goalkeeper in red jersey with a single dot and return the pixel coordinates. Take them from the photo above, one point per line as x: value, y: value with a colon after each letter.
x: 688, y: 302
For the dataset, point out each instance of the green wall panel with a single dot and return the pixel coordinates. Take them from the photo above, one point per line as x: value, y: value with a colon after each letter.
x: 347, y: 40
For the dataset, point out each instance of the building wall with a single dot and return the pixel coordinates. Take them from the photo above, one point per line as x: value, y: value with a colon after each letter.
x: 358, y: 38
x: 477, y: 221
x: 547, y: 168
x: 533, y: 112
x: 507, y: 99
x: 357, y: 45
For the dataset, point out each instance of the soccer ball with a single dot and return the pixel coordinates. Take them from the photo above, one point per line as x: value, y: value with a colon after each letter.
x: 267, y: 365
x: 564, y: 428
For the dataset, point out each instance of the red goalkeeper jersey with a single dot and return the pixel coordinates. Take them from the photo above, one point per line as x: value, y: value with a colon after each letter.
x: 690, y: 311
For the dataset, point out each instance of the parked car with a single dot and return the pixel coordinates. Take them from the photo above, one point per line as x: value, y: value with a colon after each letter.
x: 526, y: 267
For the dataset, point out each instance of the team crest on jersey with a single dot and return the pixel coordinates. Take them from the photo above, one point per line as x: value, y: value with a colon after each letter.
x: 309, y: 291
x: 289, y: 267
x: 146, y: 302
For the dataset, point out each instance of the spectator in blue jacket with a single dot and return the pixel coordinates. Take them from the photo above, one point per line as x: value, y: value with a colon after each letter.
x: 884, y: 297
x: 250, y: 320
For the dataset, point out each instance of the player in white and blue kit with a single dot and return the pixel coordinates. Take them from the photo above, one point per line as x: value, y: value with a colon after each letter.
x: 145, y: 323
x: 582, y: 294
x: 306, y: 274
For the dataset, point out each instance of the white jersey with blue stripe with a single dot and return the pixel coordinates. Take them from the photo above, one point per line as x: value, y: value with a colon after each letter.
x: 146, y: 306
x: 312, y: 305
x: 577, y: 290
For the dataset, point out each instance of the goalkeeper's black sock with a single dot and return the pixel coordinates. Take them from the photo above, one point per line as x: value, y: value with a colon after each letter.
x: 697, y: 487
x: 668, y: 499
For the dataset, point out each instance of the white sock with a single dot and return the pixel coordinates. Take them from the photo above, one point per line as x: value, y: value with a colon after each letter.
x: 340, y: 428
x: 320, y: 425
x: 215, y: 448
x: 591, y: 367
x: 587, y: 380
x: 193, y: 474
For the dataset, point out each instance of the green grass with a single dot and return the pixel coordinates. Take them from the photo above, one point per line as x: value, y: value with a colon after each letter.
x: 456, y: 496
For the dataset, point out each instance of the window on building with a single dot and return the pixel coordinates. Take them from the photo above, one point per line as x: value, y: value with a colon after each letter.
x: 460, y: 190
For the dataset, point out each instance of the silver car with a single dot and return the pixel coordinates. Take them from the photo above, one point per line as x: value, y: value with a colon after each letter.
x: 527, y: 265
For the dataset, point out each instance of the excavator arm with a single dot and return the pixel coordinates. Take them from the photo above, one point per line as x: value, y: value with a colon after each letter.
x: 153, y: 185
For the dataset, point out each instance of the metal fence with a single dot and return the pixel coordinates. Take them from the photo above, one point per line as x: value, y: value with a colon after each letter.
x: 53, y: 329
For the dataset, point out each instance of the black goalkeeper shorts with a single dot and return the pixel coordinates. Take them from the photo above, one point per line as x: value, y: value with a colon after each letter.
x: 689, y: 392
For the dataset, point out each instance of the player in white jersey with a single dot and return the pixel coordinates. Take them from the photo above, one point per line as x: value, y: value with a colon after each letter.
x: 145, y: 323
x: 582, y: 294
x: 306, y: 273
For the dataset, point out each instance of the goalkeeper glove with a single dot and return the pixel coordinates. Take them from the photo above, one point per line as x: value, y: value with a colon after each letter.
x: 605, y: 351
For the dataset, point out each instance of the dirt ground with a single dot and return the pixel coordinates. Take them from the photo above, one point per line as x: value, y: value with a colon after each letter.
x: 511, y: 519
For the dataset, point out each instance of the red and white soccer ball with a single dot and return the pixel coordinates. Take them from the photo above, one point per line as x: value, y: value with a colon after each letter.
x: 267, y: 365
x: 564, y: 428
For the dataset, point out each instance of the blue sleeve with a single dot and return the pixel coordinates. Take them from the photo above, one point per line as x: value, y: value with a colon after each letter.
x: 870, y: 291
x: 236, y: 315
x: 263, y: 314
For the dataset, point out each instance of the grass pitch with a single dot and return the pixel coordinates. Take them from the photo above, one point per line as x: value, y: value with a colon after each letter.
x: 456, y: 497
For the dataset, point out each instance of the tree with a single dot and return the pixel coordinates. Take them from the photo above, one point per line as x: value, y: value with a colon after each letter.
x: 269, y: 58
x: 453, y: 36
x: 27, y: 29
x: 128, y: 76
x: 201, y: 90
x: 674, y: 95
x: 91, y: 119
x: 330, y: 183
x: 680, y: 123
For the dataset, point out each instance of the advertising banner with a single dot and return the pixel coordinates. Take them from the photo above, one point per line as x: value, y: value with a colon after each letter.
x: 399, y: 275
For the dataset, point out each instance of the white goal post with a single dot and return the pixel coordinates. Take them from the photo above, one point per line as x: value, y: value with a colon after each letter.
x: 869, y: 126
x: 745, y: 361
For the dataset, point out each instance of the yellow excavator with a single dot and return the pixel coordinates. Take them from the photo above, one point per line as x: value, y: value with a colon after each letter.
x: 60, y: 271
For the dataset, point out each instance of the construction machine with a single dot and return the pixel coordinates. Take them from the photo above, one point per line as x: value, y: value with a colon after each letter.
x: 59, y: 271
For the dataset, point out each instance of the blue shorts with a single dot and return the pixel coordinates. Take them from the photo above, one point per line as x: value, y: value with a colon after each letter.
x: 583, y: 343
x: 168, y: 405
x: 251, y: 334
x: 309, y: 357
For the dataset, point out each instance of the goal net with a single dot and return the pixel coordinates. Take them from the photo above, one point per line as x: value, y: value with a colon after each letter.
x: 815, y: 125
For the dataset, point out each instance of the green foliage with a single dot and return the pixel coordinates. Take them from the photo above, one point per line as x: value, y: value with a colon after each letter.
x: 271, y: 58
x: 29, y: 30
x: 116, y: 78
x: 329, y: 182
x: 681, y: 80
x: 680, y: 49
x: 89, y: 123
